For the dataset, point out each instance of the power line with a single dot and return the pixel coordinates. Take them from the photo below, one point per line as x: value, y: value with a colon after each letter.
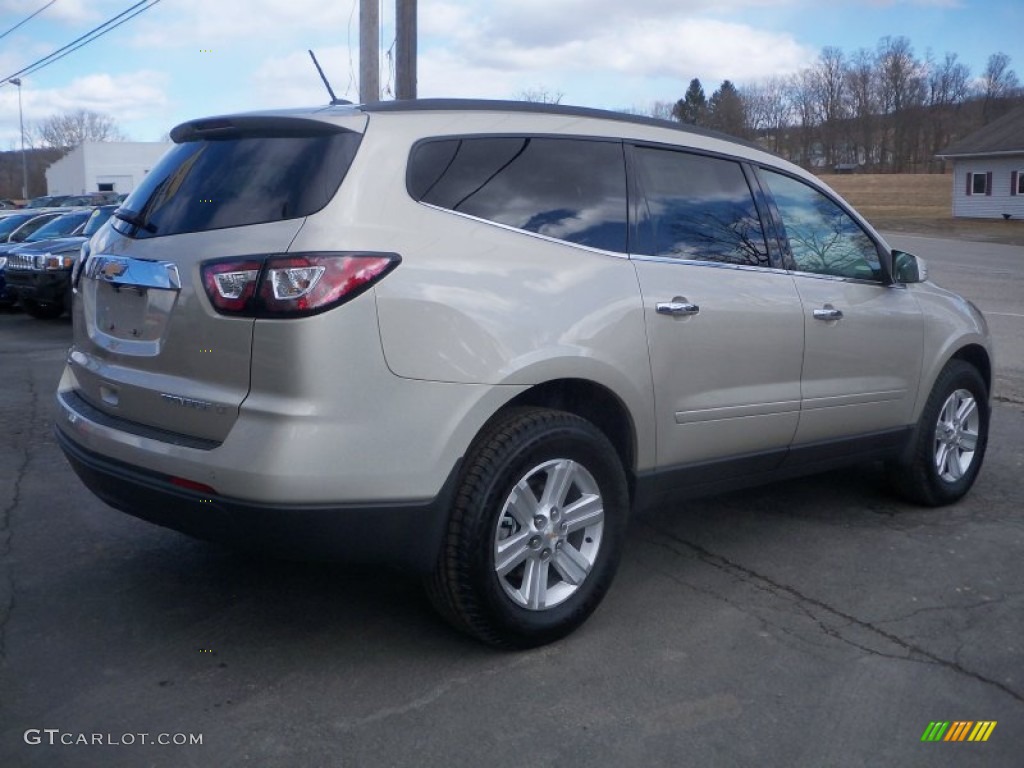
x: 5, y: 34
x: 83, y: 40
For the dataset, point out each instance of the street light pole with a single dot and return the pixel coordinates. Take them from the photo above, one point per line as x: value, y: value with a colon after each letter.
x: 21, y: 120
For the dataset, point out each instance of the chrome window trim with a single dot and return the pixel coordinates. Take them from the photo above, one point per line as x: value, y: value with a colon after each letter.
x: 703, y: 263
x: 838, y: 278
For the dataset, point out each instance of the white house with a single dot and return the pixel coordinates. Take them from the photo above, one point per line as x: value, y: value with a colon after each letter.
x: 988, y: 170
x: 103, y: 166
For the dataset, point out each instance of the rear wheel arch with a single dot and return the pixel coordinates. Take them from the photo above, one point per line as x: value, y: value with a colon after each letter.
x: 591, y: 401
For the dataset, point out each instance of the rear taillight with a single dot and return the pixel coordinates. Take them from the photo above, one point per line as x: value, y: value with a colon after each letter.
x: 297, y: 285
x: 231, y: 285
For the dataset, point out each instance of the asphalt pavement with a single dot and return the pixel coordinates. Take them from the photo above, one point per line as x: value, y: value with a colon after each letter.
x: 816, y: 622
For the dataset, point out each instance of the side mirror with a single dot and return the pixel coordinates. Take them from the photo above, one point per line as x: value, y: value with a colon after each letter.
x: 907, y: 268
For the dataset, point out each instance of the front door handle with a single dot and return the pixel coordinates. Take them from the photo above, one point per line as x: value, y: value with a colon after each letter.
x: 828, y: 312
x: 677, y: 308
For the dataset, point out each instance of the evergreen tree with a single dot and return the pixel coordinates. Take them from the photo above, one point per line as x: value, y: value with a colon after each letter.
x: 726, y: 111
x: 693, y: 106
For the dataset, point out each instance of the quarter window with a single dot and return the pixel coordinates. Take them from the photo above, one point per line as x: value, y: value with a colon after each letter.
x: 568, y: 189
x: 822, y: 237
x: 697, y: 208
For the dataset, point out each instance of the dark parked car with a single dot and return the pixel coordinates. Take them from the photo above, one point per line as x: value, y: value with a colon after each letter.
x: 16, y: 229
x: 46, y: 201
x: 39, y: 273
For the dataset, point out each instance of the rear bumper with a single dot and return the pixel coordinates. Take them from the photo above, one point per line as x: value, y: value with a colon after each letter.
x: 403, y: 534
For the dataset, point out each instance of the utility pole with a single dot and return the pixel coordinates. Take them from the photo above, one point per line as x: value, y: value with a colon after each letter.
x: 405, y: 60
x: 369, y: 52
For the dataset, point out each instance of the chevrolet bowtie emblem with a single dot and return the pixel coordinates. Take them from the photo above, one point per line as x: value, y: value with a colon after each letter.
x: 112, y: 269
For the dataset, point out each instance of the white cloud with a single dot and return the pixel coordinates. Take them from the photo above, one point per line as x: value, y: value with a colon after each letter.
x: 205, y: 23
x: 123, y: 97
x: 484, y: 64
x: 63, y: 10
x: 126, y: 98
x: 292, y: 80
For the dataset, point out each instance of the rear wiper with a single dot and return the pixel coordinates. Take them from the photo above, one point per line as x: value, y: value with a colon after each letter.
x: 134, y: 219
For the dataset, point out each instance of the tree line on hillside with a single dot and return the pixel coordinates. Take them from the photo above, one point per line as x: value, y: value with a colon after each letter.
x: 885, y: 110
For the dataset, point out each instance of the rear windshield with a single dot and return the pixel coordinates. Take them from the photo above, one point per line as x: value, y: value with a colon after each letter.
x: 62, y: 226
x: 231, y: 182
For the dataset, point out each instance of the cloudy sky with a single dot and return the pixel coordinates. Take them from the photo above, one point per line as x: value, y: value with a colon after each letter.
x: 187, y: 58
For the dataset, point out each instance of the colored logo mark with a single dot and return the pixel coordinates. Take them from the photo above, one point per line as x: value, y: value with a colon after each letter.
x: 958, y: 730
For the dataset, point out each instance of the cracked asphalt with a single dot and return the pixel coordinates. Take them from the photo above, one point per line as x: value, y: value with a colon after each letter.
x: 810, y: 623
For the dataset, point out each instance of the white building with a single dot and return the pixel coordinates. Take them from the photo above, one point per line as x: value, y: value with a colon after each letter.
x: 988, y: 170
x: 103, y: 166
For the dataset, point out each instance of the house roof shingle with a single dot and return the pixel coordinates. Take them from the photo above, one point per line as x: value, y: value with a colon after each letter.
x: 1000, y: 137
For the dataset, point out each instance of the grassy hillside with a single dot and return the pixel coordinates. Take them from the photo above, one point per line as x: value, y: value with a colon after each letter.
x: 918, y: 203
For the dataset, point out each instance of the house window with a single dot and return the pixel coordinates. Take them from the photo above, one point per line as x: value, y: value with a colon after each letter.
x: 106, y: 187
x: 979, y: 183
x: 1017, y: 183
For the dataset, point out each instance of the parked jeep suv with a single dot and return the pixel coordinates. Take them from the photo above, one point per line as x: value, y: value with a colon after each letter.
x: 39, y: 273
x: 471, y: 337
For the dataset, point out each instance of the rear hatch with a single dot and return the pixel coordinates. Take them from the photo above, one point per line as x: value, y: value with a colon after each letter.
x: 149, y: 346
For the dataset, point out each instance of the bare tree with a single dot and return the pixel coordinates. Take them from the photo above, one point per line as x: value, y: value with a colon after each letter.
x: 70, y: 129
x: 861, y: 90
x: 768, y: 110
x: 828, y: 83
x: 801, y: 97
x: 541, y: 95
x: 999, y: 85
x: 949, y: 86
x: 662, y: 110
x: 901, y: 91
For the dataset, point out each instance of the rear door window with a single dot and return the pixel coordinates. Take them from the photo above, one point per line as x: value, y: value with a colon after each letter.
x: 568, y: 189
x: 697, y: 208
x: 215, y: 183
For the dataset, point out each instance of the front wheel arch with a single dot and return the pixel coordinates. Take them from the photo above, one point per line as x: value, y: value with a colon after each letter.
x: 926, y: 474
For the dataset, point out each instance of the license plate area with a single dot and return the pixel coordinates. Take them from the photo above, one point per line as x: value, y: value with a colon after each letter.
x: 129, y: 303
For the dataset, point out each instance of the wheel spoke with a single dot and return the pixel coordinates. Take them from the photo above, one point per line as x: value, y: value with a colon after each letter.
x: 522, y: 504
x: 965, y: 410
x: 941, y: 455
x: 571, y: 564
x: 512, y: 551
x: 953, y: 463
x: 586, y: 511
x: 559, y: 480
x: 969, y: 440
x: 535, y: 584
x: 949, y: 411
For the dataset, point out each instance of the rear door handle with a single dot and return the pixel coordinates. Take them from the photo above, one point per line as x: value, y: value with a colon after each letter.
x: 828, y: 312
x: 677, y: 308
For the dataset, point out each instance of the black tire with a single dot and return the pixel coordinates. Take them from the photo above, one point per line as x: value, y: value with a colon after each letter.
x: 42, y: 311
x: 531, y: 444
x: 920, y: 480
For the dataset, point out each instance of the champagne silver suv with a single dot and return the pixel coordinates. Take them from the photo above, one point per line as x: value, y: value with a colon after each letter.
x: 471, y: 337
